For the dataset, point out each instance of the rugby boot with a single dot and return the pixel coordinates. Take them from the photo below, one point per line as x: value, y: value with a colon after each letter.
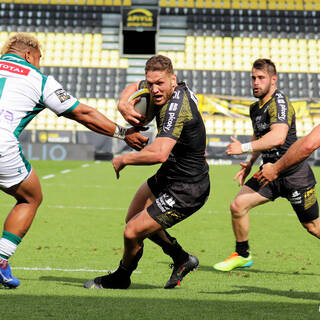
x: 181, y: 270
x: 6, y: 277
x: 120, y: 279
x: 234, y: 261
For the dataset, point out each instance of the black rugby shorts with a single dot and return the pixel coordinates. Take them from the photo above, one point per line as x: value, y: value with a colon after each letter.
x: 176, y: 201
x: 298, y: 188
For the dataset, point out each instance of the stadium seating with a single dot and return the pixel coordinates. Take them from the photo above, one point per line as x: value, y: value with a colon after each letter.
x: 222, y: 39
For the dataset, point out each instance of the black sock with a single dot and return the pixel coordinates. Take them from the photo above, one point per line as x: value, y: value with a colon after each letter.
x: 242, y: 248
x: 135, y: 261
x: 173, y: 249
x: 121, y: 277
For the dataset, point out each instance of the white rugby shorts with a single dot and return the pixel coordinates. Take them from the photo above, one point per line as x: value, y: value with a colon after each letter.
x: 14, y: 168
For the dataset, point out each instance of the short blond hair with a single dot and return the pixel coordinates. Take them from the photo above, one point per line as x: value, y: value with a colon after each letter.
x: 159, y: 63
x: 20, y: 42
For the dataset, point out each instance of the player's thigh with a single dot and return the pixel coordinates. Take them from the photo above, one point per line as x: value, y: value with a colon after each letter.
x: 142, y: 199
x: 305, y: 204
x: 141, y: 226
x: 247, y: 199
x: 28, y: 190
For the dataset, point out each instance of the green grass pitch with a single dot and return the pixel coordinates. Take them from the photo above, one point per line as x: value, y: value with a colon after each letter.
x: 79, y: 228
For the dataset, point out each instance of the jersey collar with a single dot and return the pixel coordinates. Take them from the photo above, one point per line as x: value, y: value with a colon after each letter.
x: 262, y: 105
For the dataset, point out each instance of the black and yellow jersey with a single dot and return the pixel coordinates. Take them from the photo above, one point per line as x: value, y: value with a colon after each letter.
x: 180, y: 119
x: 278, y: 109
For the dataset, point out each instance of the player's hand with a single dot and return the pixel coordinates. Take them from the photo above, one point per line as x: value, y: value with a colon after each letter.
x: 234, y: 147
x: 243, y: 173
x: 117, y: 165
x: 135, y: 139
x: 267, y: 174
x: 130, y: 114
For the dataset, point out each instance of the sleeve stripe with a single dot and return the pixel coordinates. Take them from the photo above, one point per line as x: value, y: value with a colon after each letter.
x: 70, y: 109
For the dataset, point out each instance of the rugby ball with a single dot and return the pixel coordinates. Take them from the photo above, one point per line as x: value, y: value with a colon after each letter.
x: 145, y: 106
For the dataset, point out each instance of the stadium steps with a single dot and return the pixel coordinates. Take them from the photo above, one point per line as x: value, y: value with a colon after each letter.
x: 172, y: 36
x: 110, y: 31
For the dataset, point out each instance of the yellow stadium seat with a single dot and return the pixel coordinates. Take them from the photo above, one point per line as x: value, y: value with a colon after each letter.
x: 228, y: 125
x: 246, y: 43
x: 199, y: 4
x: 262, y: 4
x: 199, y: 42
x: 272, y: 5
x: 180, y: 4
x: 236, y: 4
x: 284, y: 44
x: 190, y: 4
x: 244, y: 4
x: 217, y: 4
x: 163, y: 3
x: 281, y: 5
x: 218, y: 42
x: 254, y: 5
x: 210, y: 124
x: 226, y: 4
x: 265, y: 43
x: 208, y: 4
x: 255, y: 43
x: 227, y: 43
x: 299, y: 4
x: 208, y: 43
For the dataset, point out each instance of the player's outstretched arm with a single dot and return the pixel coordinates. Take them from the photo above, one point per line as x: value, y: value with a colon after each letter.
x: 156, y: 152
x: 274, y: 138
x: 126, y: 107
x: 97, y: 122
x: 298, y: 152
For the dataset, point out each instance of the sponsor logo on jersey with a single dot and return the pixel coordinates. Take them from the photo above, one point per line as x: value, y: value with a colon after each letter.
x: 6, y: 115
x: 170, y: 121
x: 283, y: 107
x: 62, y: 95
x: 7, y: 66
x: 173, y: 106
x: 176, y: 95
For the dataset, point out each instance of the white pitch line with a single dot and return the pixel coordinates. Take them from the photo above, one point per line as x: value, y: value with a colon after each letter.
x: 84, y: 207
x: 49, y: 176
x: 85, y: 165
x: 64, y: 270
x: 65, y: 171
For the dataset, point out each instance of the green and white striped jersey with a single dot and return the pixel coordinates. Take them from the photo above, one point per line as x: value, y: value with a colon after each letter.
x: 24, y: 92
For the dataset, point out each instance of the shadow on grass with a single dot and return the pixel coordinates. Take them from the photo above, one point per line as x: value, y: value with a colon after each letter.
x: 283, y: 293
x: 253, y: 270
x: 111, y: 305
x: 79, y: 282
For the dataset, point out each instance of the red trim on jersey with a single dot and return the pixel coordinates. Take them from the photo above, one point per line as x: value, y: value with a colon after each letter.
x: 7, y: 66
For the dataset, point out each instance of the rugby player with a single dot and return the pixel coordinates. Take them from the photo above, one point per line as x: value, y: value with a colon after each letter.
x: 274, y: 127
x: 298, y: 152
x: 24, y: 92
x: 178, y: 189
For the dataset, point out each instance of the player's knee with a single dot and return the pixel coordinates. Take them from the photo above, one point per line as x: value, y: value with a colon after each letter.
x: 129, y: 232
x: 39, y: 198
x: 235, y: 209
